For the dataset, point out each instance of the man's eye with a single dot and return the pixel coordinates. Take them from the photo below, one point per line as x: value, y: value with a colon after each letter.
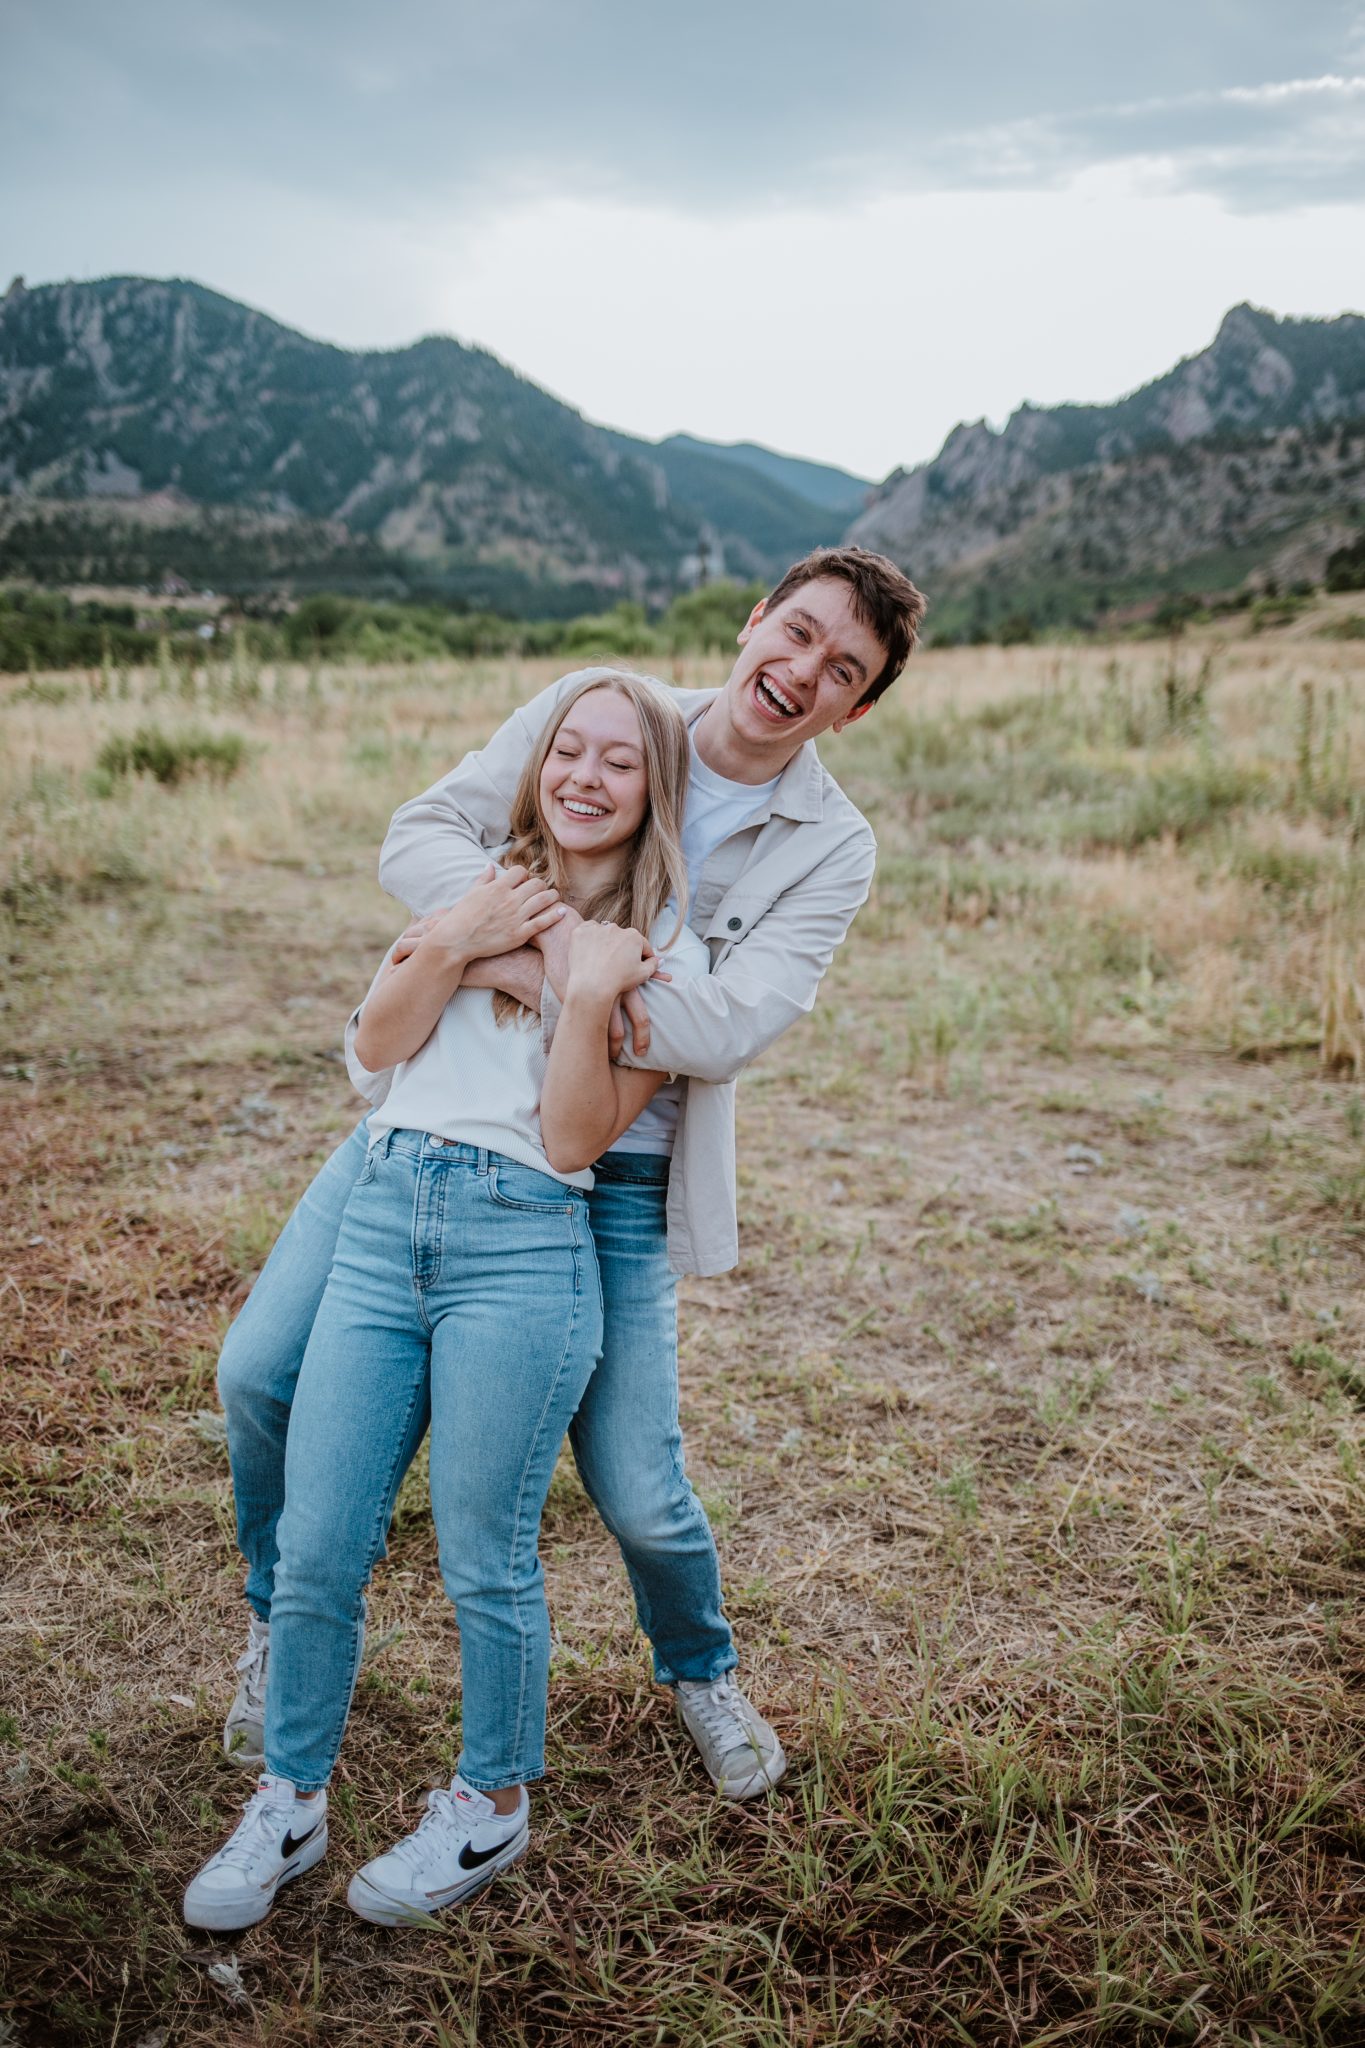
x: 841, y: 675
x: 799, y: 633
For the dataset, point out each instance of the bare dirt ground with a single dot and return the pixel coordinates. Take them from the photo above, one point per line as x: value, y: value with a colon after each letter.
x: 1030, y: 1423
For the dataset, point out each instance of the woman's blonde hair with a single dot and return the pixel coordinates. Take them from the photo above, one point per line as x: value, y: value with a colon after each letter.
x: 654, y: 870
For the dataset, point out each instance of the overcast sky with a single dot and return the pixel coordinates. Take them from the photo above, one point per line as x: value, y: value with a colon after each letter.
x: 748, y: 221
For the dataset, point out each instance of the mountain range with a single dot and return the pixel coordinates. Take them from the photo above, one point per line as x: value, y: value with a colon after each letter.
x: 150, y: 425
x: 1245, y: 459
x: 436, y: 463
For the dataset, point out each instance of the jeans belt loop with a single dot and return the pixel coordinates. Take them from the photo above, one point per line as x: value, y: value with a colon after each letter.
x: 482, y: 1166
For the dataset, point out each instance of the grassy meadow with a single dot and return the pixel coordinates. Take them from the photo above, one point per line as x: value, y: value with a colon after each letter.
x: 1032, y: 1422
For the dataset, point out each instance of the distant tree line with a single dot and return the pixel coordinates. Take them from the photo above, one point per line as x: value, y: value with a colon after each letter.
x: 44, y: 629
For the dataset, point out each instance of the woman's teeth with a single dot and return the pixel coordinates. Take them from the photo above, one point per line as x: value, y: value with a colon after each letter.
x: 780, y: 703
x: 577, y: 809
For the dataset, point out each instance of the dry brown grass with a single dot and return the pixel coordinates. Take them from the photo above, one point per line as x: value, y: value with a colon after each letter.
x: 1031, y: 1421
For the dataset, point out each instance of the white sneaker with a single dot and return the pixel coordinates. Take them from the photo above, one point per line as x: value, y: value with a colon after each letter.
x: 460, y: 1843
x: 741, y: 1753
x: 244, y: 1729
x: 279, y: 1837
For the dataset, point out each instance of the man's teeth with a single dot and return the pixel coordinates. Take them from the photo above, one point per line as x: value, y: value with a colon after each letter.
x: 581, y: 810
x: 777, y: 699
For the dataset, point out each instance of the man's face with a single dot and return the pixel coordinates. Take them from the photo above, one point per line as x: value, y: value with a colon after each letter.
x: 802, y: 668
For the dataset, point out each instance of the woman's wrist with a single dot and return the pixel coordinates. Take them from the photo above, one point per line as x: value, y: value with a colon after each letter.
x: 448, y: 951
x: 589, y: 1005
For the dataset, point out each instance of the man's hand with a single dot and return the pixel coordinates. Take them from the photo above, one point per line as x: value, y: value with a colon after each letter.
x: 518, y: 974
x: 628, y: 1013
x: 632, y: 1009
x: 411, y: 937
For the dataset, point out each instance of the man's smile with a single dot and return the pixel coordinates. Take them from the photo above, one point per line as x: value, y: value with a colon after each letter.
x: 773, y: 699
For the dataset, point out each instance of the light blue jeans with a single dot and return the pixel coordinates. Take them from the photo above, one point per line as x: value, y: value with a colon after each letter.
x: 625, y: 1436
x: 463, y: 1290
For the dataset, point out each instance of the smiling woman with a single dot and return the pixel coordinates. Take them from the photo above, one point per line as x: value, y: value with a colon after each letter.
x: 611, y: 771
x: 465, y: 1291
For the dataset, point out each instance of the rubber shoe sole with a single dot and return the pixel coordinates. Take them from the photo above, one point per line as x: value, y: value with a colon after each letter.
x: 763, y: 1777
x: 222, y: 1915
x: 381, y: 1910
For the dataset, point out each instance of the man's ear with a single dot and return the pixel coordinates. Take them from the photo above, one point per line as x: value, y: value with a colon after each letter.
x: 858, y: 711
x: 755, y: 615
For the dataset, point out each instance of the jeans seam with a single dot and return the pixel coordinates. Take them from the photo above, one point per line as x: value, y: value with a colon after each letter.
x: 358, y: 1620
x: 546, y: 1404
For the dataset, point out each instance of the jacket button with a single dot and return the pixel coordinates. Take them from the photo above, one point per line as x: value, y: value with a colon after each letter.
x: 733, y: 924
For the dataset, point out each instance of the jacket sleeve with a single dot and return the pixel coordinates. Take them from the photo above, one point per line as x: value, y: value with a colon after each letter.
x: 712, y: 1027
x: 438, y: 844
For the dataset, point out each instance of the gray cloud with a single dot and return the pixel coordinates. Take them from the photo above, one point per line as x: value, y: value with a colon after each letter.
x: 706, y: 107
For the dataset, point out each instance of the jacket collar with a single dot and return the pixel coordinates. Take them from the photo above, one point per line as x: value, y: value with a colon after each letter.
x: 800, y: 792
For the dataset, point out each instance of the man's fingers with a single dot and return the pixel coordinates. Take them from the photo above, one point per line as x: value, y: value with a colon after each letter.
x: 634, y: 1005
x: 546, y: 918
x: 411, y: 937
x: 513, y: 876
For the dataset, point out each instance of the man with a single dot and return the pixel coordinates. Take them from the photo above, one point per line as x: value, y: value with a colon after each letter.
x: 778, y: 861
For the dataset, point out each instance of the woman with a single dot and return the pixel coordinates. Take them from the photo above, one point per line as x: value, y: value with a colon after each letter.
x: 464, y: 1290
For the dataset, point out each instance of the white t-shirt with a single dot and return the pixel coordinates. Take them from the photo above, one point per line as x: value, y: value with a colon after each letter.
x: 715, y: 808
x: 480, y: 1082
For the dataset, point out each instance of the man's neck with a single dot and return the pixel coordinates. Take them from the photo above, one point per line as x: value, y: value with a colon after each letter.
x: 720, y: 748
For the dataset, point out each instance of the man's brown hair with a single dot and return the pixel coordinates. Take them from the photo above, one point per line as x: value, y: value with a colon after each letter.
x: 884, y: 600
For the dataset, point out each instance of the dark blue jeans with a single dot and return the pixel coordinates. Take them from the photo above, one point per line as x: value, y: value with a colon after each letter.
x: 625, y: 1436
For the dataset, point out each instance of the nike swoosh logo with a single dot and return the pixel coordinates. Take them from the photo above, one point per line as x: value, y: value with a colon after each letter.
x: 292, y: 1842
x: 470, y: 1858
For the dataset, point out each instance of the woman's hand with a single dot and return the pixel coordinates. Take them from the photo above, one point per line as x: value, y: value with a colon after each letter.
x: 605, y: 960
x: 505, y: 910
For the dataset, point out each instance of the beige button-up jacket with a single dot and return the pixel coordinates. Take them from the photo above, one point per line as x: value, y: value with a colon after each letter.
x: 772, y: 903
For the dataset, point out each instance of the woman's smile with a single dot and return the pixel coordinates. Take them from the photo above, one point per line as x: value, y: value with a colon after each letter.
x: 594, y: 787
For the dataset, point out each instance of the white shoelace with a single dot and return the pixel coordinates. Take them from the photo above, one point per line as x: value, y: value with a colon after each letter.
x: 266, y: 1805
x: 720, y: 1708
x: 251, y: 1664
x: 442, y: 1814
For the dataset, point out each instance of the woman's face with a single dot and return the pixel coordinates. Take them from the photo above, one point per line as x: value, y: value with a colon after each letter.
x: 593, y: 786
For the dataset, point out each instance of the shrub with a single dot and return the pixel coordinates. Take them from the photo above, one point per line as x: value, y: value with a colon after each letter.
x: 1346, y: 566
x: 709, y: 619
x: 173, y: 757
